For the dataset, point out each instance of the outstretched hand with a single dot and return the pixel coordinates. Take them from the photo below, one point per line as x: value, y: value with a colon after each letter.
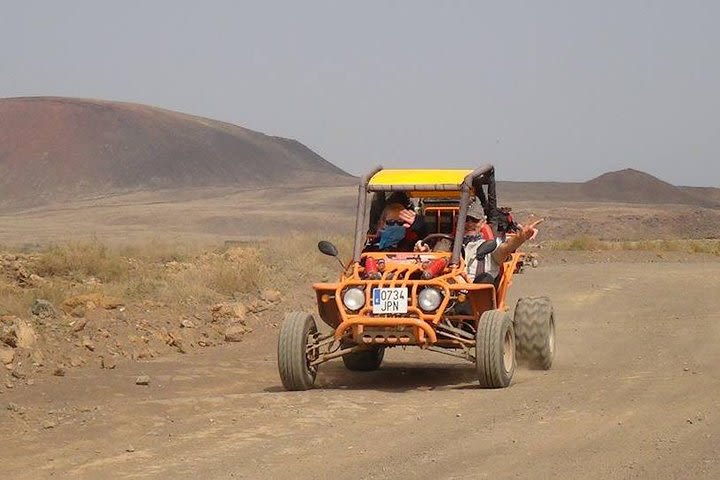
x: 528, y: 232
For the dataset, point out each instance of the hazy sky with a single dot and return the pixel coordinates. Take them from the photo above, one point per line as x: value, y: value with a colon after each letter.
x: 545, y: 90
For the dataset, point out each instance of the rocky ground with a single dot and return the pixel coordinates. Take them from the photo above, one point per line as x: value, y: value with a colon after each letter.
x: 632, y: 394
x: 52, y: 324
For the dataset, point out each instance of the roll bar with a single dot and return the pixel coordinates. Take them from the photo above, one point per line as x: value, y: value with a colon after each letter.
x: 360, y: 227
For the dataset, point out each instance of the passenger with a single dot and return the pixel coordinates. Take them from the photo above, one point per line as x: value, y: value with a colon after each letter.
x: 478, y: 243
x: 485, y: 254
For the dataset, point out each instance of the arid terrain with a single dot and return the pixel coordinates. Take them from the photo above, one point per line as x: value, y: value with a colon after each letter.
x: 633, y: 394
x: 139, y: 317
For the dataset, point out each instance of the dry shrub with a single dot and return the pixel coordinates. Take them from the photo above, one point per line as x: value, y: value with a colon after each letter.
x: 237, y: 270
x: 158, y: 251
x: 81, y: 259
x: 709, y: 246
x: 178, y: 275
x: 580, y: 244
x: 299, y: 254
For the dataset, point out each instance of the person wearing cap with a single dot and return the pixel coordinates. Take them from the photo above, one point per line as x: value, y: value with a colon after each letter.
x: 484, y: 253
x: 478, y: 245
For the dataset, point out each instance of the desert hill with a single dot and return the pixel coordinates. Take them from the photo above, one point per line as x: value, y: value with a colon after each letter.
x: 623, y: 186
x: 59, y: 149
x: 633, y: 186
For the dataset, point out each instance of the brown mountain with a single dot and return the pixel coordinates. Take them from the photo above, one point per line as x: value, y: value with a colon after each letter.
x: 57, y: 149
x: 623, y: 186
x: 633, y: 186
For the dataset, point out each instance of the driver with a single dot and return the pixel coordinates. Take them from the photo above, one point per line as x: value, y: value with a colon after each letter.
x: 398, y: 229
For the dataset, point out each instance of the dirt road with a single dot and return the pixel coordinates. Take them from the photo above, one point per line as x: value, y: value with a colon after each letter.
x: 634, y: 393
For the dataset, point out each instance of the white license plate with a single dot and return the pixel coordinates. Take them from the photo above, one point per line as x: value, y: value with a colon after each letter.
x: 390, y: 300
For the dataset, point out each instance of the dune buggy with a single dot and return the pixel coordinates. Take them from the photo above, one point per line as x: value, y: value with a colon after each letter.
x: 401, y: 299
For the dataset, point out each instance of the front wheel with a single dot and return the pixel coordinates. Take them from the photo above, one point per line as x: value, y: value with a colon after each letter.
x: 298, y: 331
x: 495, y: 349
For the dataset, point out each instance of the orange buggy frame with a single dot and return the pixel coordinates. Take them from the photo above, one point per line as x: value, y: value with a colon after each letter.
x: 470, y: 321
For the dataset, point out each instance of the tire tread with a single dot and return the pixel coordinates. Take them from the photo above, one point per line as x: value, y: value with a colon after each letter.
x: 533, y: 319
x: 292, y: 343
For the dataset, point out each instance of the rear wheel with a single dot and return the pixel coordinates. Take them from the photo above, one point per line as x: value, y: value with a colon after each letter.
x: 364, y: 360
x: 535, y: 332
x: 495, y: 349
x: 297, y: 332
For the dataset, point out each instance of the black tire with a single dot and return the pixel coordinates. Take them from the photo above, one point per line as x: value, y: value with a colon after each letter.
x: 495, y: 349
x: 535, y: 332
x: 364, y: 360
x: 293, y: 362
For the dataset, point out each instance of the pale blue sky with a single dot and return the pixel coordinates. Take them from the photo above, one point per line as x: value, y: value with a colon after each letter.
x: 545, y: 90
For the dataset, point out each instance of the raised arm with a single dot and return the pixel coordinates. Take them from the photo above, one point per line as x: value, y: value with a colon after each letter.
x: 513, y: 242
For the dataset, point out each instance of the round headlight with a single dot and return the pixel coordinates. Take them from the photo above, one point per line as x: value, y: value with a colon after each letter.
x: 429, y: 299
x: 354, y: 298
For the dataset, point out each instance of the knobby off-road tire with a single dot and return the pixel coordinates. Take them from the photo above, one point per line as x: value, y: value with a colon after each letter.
x: 295, y: 333
x: 364, y: 360
x: 495, y: 349
x: 535, y: 332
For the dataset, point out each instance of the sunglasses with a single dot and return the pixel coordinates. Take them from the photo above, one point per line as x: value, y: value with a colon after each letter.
x: 394, y: 222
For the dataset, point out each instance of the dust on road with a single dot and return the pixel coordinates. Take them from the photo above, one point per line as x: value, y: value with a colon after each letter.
x: 633, y: 393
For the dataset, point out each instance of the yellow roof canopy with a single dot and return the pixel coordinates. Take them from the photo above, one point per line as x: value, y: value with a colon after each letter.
x: 425, y: 180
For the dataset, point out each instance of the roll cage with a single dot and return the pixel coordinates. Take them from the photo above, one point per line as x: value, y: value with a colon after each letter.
x: 438, y: 183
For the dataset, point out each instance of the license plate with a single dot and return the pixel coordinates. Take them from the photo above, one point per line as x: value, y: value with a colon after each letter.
x: 390, y: 300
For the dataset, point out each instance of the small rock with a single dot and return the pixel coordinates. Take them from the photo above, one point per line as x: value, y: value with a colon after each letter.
x: 8, y: 336
x: 7, y: 355
x: 234, y: 333
x: 130, y: 449
x: 59, y: 371
x: 18, y: 373
x: 686, y: 369
x: 270, y: 295
x: 43, y: 309
x: 91, y: 301
x: 14, y: 407
x: 48, y: 424
x: 177, y: 343
x: 458, y: 415
x: 142, y: 380
x: 257, y: 306
x: 79, y: 325
x: 26, y: 336
x: 79, y: 312
x: 37, y: 358
x: 228, y: 310
x: 76, y: 361
x: 187, y: 324
x: 87, y: 343
x: 108, y: 363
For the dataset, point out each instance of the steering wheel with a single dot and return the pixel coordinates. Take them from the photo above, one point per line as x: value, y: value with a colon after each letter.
x: 433, y: 238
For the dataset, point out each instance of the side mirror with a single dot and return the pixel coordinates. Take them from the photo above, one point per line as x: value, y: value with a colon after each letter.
x: 327, y: 248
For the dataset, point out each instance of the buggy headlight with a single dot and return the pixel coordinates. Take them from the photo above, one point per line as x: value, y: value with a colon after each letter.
x: 354, y: 298
x: 429, y: 299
